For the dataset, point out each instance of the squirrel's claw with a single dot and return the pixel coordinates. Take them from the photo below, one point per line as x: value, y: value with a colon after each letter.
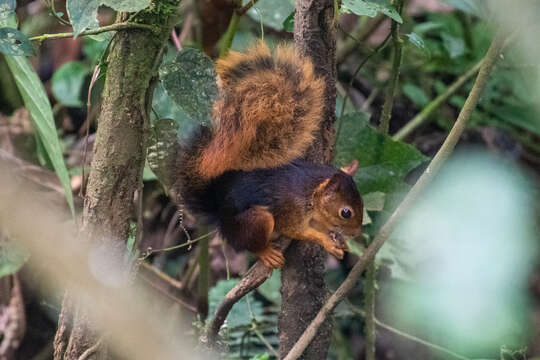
x: 271, y: 257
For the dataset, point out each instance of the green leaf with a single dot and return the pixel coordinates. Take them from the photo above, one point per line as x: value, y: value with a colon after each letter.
x: 416, y: 94
x: 270, y: 289
x: 83, y: 13
x: 11, y: 258
x: 264, y: 356
x: 382, y: 162
x: 240, y: 314
x: 370, y: 8
x: 14, y: 42
x: 190, y: 80
x: 473, y: 7
x: 67, y: 83
x: 161, y: 153
x: 7, y: 12
x: 418, y: 41
x: 37, y: 103
x: 288, y: 23
x: 273, y: 13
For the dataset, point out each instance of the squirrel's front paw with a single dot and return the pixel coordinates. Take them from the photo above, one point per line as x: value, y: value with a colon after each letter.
x: 271, y: 257
x: 334, y: 250
x: 339, y: 240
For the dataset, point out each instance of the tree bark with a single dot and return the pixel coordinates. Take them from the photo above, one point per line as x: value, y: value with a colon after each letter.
x: 303, y: 289
x: 118, y: 160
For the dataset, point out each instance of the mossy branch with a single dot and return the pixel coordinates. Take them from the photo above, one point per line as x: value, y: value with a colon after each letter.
x: 427, y: 177
x: 113, y: 27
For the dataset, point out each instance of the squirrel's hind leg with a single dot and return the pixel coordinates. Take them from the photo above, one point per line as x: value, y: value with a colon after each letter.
x: 252, y: 230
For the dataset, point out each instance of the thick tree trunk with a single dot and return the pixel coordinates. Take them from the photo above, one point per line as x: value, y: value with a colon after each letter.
x: 303, y: 290
x: 118, y: 161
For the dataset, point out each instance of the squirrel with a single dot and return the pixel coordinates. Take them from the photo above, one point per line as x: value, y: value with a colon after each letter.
x: 244, y: 173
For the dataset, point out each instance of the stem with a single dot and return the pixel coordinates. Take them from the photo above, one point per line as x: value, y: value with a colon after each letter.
x: 246, y: 7
x: 394, y: 77
x: 423, y: 115
x: 386, y: 230
x: 113, y: 27
x: 409, y: 336
x: 350, y: 83
x: 358, y: 35
x: 229, y: 35
x: 204, y: 272
x: 369, y: 304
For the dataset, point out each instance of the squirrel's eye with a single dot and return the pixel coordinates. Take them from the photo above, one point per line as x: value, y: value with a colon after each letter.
x: 345, y: 213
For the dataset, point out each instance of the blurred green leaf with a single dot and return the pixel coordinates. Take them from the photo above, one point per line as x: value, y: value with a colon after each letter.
x: 288, y: 23
x: 473, y: 7
x: 14, y: 42
x: 83, y: 13
x: 383, y: 163
x: 370, y: 8
x: 455, y: 46
x: 264, y: 356
x: 273, y: 13
x: 270, y: 288
x: 240, y: 314
x: 418, y: 41
x: 416, y: 94
x: 7, y: 12
x: 37, y: 103
x: 67, y: 83
x: 95, y: 45
x: 190, y: 80
x: 11, y: 258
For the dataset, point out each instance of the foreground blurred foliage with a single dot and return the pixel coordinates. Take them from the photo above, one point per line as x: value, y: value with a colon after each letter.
x: 462, y: 272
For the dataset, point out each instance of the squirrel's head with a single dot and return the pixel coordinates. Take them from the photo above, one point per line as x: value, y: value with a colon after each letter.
x: 338, y: 202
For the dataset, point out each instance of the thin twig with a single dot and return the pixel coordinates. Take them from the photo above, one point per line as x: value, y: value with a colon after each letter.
x: 427, y: 177
x: 113, y: 27
x: 246, y: 7
x: 423, y: 115
x: 381, y: 46
x: 190, y: 242
x: 386, y: 113
x: 409, y: 336
x: 357, y: 36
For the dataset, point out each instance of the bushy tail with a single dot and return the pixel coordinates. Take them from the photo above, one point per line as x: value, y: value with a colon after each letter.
x: 267, y: 111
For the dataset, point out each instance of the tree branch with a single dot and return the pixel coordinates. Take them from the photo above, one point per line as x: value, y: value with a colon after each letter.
x: 427, y: 177
x: 113, y: 27
x: 255, y: 276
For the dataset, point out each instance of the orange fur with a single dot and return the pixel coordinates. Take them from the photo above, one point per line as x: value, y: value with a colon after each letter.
x: 267, y: 111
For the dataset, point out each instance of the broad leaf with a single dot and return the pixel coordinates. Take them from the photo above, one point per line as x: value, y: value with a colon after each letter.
x: 190, y: 80
x: 7, y: 12
x: 67, y: 83
x: 474, y: 7
x: 11, y: 258
x: 382, y: 162
x: 162, y: 149
x: 83, y: 13
x: 416, y: 94
x: 240, y: 314
x: 270, y: 289
x: 273, y: 13
x: 288, y: 23
x: 37, y: 103
x: 14, y: 42
x: 370, y: 8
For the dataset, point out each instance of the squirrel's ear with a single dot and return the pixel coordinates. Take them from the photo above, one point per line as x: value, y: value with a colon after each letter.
x: 350, y: 168
x: 334, y: 183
